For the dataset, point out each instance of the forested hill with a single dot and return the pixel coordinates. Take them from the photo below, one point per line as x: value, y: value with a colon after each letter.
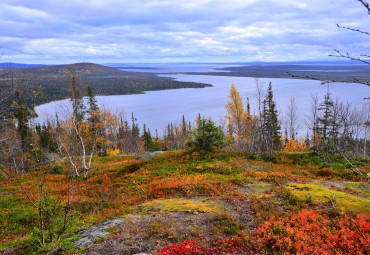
x: 82, y: 70
x: 38, y: 85
x: 342, y: 72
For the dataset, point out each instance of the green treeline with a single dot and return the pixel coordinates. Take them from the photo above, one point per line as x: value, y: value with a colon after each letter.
x: 45, y: 84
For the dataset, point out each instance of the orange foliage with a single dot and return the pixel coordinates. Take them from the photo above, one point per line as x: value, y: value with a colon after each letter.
x: 294, y: 146
x: 313, y: 232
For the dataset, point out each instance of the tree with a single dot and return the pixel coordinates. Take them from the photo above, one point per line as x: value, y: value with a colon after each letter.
x: 270, y: 123
x: 241, y: 125
x: 292, y: 119
x: 46, y: 140
x: 313, y: 124
x: 22, y: 118
x: 76, y: 138
x: 206, y: 137
x: 10, y: 81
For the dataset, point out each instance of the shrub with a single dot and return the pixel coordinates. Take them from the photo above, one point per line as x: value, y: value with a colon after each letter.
x: 57, y: 169
x: 313, y: 232
x: 206, y: 137
x: 220, y: 246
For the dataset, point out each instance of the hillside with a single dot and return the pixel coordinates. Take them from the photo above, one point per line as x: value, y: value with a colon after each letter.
x: 81, y: 70
x: 193, y: 203
x: 340, y: 72
x: 38, y: 85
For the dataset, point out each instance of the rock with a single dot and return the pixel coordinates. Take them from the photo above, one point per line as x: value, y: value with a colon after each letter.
x: 89, y: 235
x: 149, y: 155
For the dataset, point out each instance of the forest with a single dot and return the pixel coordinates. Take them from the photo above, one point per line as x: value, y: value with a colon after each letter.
x: 340, y: 72
x: 49, y: 83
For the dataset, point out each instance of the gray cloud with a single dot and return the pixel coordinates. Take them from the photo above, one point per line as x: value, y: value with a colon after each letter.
x: 62, y: 31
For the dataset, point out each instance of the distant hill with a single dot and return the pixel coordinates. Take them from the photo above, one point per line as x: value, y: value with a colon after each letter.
x: 82, y: 70
x: 341, y: 72
x: 49, y: 83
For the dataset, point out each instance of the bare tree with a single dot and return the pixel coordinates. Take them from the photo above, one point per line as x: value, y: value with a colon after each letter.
x: 366, y: 124
x: 312, y: 123
x: 292, y: 119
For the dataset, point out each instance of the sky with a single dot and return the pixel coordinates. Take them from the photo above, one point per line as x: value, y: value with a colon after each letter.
x: 150, y: 31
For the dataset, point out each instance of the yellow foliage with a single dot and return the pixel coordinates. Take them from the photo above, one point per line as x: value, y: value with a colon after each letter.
x: 112, y: 152
x: 240, y: 122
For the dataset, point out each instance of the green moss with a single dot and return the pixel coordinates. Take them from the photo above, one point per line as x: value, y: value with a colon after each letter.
x: 360, y: 187
x: 240, y: 179
x: 224, y: 223
x: 318, y: 192
x: 207, y: 205
x: 259, y: 187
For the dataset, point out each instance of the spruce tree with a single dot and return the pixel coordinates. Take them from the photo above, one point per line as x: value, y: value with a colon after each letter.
x: 206, y: 137
x: 326, y: 119
x: 271, y: 125
x: 78, y: 106
x: 94, y: 117
x: 92, y: 100
x: 22, y: 118
x: 326, y: 123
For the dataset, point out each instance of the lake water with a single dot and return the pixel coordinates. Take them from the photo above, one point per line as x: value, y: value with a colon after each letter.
x: 158, y: 108
x: 174, y: 67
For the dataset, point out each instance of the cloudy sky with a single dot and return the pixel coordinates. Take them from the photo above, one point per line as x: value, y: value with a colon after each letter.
x: 128, y: 31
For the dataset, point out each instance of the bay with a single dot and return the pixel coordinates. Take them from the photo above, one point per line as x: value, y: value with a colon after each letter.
x: 158, y: 108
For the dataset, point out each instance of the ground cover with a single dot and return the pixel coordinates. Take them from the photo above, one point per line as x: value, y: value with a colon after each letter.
x: 188, y: 202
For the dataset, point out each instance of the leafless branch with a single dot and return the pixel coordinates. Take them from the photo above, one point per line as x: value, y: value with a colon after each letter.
x: 355, y: 169
x: 354, y: 29
x: 347, y: 56
x: 365, y: 3
x: 67, y: 208
x: 312, y: 78
x: 332, y: 200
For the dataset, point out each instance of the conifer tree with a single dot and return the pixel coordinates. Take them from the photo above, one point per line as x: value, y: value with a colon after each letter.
x: 78, y: 106
x: 93, y: 103
x: 326, y: 118
x: 23, y: 129
x: 206, y: 137
x: 270, y: 125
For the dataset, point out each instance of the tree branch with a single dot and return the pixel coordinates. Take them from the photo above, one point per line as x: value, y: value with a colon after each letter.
x: 365, y: 3
x: 341, y: 55
x: 354, y: 29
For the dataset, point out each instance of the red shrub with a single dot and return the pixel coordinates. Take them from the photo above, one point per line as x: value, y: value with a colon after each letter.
x: 220, y: 246
x: 309, y: 232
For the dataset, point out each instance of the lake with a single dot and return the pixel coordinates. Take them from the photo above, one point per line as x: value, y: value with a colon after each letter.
x: 158, y: 108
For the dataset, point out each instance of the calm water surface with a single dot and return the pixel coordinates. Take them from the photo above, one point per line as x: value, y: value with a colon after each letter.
x: 158, y: 108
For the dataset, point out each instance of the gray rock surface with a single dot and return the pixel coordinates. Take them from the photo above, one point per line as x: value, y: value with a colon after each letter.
x: 149, y: 155
x: 89, y: 235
